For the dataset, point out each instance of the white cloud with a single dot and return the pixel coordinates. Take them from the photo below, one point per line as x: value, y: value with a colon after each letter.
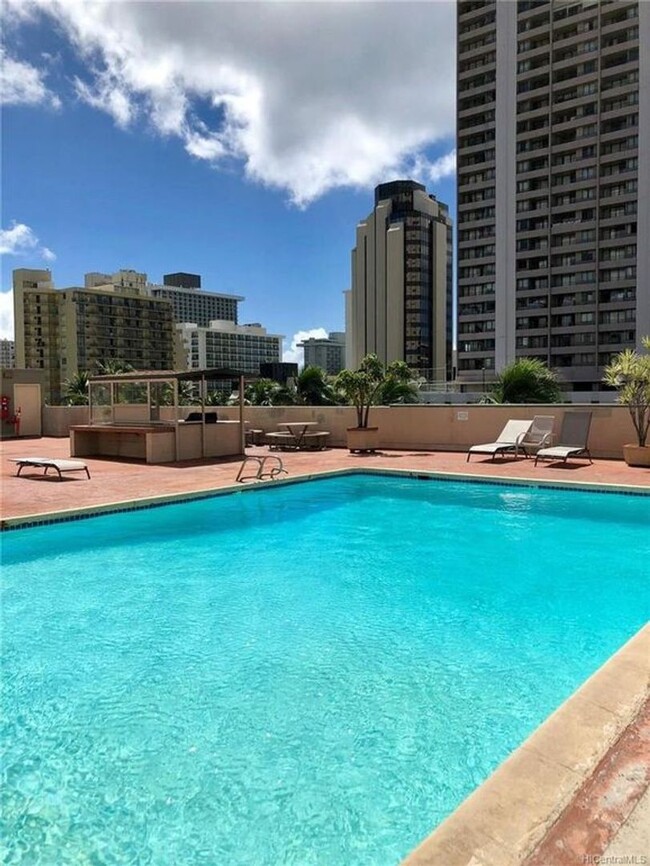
x: 307, y: 97
x: 7, y: 315
x: 22, y: 84
x: 107, y: 96
x: 20, y: 240
x: 295, y: 354
x: 432, y: 172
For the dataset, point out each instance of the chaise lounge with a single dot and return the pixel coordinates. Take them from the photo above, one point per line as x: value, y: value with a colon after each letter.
x: 574, y: 436
x: 508, y: 442
x: 50, y: 463
x: 539, y: 436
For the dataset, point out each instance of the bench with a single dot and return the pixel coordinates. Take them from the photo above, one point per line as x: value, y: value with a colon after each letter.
x: 254, y: 437
x: 281, y: 441
x: 316, y: 441
x: 50, y: 463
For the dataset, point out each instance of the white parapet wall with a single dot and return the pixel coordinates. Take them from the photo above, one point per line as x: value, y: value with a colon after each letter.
x: 420, y: 427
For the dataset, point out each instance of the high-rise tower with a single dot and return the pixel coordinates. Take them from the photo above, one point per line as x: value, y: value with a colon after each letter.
x: 400, y: 304
x: 553, y: 115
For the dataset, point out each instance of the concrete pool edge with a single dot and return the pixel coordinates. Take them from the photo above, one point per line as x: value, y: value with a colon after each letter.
x: 508, y: 819
x: 63, y: 515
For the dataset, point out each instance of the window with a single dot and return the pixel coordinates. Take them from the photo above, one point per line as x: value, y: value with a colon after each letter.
x: 615, y: 274
x: 536, y: 342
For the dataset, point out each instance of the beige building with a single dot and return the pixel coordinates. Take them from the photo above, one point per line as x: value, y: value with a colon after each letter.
x: 553, y: 128
x: 226, y: 345
x: 400, y: 302
x: 327, y: 353
x: 63, y: 331
x: 7, y: 354
x: 190, y: 303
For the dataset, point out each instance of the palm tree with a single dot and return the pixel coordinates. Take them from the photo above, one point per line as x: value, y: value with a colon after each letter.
x: 374, y: 384
x: 75, y: 389
x: 313, y: 388
x: 266, y: 392
x: 112, y: 367
x: 397, y: 391
x: 629, y: 372
x: 526, y: 380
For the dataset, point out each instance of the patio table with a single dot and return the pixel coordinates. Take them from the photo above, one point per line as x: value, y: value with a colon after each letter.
x: 298, y: 429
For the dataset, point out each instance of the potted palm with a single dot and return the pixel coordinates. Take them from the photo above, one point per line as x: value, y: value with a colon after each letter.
x: 629, y: 372
x: 364, y: 388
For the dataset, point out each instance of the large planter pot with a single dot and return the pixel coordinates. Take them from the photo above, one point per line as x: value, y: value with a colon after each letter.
x: 363, y: 438
x: 637, y: 455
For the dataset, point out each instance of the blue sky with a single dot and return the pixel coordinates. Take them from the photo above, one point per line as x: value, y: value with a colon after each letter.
x: 238, y: 141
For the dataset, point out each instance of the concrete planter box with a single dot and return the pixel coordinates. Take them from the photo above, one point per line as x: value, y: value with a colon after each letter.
x: 363, y: 438
x: 637, y: 455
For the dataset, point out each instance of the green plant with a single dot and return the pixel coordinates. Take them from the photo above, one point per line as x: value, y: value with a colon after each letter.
x: 266, y: 392
x: 111, y: 367
x: 75, y: 389
x: 629, y: 373
x: 364, y: 387
x: 216, y: 398
x: 526, y: 380
x: 313, y: 388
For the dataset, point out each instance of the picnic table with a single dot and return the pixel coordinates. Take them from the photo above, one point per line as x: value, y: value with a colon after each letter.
x: 298, y: 430
x: 297, y: 437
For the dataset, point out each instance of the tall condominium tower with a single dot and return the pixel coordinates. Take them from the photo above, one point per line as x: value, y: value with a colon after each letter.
x: 400, y: 302
x: 553, y: 119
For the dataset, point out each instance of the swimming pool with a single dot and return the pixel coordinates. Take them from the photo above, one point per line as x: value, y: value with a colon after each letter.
x: 315, y: 673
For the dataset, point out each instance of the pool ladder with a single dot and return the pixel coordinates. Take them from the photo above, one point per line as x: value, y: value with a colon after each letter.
x: 262, y: 472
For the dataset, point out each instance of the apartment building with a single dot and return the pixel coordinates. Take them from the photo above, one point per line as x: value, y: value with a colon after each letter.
x: 224, y: 344
x: 63, y: 331
x: 182, y: 290
x: 7, y: 354
x: 191, y: 305
x: 553, y: 117
x: 327, y: 353
x: 400, y: 301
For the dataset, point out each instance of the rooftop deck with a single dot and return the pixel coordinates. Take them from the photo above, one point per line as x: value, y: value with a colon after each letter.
x: 118, y: 480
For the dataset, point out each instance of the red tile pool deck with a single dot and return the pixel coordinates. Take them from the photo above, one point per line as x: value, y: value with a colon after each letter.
x: 605, y: 805
x: 117, y: 480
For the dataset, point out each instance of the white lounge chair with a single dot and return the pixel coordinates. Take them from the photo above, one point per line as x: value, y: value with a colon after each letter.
x: 539, y: 436
x: 574, y: 436
x: 51, y: 463
x: 509, y: 441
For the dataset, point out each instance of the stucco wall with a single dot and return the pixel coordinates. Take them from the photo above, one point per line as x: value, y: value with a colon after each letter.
x: 57, y: 419
x: 444, y: 428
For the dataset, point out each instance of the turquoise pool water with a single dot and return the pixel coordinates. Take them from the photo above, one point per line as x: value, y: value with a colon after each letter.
x: 310, y: 674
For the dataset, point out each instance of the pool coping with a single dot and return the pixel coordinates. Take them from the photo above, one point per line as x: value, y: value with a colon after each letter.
x: 63, y: 515
x: 516, y: 815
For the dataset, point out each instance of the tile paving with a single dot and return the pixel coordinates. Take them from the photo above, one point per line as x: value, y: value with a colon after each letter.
x: 119, y: 480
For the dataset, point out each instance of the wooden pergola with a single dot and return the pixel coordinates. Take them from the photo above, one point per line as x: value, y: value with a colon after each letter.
x: 172, y: 378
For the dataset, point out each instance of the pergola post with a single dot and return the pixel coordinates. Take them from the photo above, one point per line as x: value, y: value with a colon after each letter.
x: 202, y: 390
x: 242, y: 430
x: 176, y: 430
